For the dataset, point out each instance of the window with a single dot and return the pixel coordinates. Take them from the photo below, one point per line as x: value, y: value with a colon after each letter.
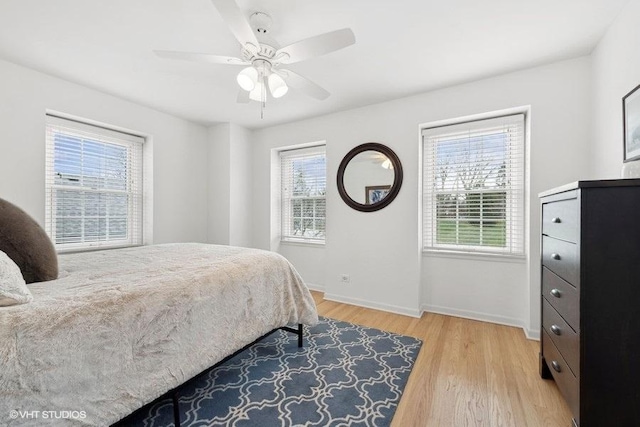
x: 304, y: 188
x: 93, y: 186
x: 474, y: 183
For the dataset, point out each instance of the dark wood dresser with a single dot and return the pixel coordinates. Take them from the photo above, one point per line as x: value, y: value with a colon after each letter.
x: 590, y: 334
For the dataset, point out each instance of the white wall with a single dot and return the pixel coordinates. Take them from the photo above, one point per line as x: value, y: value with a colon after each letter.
x: 230, y: 180
x: 616, y: 71
x: 380, y: 250
x: 266, y: 212
x: 559, y: 98
x: 219, y: 196
x: 358, y: 244
x: 179, y: 148
x: 241, y: 181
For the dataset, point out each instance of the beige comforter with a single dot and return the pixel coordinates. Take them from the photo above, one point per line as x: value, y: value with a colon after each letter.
x: 121, y: 327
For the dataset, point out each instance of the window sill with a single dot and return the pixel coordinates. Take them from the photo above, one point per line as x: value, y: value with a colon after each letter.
x: 440, y: 253
x: 77, y: 249
x: 302, y: 243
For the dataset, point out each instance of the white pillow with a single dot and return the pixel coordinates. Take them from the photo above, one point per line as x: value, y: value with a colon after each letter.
x: 13, y: 289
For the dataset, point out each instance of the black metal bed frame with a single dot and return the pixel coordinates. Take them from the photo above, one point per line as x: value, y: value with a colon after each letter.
x: 173, y: 393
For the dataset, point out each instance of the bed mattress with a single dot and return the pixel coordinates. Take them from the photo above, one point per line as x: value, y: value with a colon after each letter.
x: 121, y: 327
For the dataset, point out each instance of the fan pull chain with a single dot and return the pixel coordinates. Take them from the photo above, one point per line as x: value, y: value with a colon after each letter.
x: 263, y: 95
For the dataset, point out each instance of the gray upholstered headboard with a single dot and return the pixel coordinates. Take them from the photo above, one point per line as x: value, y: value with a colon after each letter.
x: 27, y: 244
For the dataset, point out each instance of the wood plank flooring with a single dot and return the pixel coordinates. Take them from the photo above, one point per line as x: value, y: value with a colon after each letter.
x: 468, y: 373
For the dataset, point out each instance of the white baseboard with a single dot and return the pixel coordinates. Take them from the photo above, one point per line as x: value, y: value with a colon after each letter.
x: 483, y: 317
x: 532, y: 334
x: 370, y: 304
x: 314, y: 287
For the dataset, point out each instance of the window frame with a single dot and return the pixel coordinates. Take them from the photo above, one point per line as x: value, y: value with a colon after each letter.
x: 515, y: 198
x: 134, y: 182
x: 286, y: 199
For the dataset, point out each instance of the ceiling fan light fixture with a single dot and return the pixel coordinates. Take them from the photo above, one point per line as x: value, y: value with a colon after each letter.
x: 256, y: 93
x: 277, y: 86
x: 248, y: 79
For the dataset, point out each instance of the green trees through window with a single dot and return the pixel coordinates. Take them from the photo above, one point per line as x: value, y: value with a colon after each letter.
x: 474, y: 186
x: 304, y: 187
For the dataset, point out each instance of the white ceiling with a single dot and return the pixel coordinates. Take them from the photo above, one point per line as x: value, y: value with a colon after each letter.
x: 402, y: 47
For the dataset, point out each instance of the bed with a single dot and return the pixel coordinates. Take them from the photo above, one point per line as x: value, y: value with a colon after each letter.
x: 119, y: 328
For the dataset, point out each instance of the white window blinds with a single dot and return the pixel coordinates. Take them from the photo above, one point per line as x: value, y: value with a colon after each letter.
x: 474, y: 186
x: 304, y: 187
x: 93, y: 186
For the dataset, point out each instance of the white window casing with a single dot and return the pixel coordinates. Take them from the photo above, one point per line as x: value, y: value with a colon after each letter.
x: 94, y: 186
x: 303, y: 194
x: 474, y: 187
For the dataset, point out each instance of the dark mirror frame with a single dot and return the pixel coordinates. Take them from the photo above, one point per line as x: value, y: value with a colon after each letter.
x: 397, y: 177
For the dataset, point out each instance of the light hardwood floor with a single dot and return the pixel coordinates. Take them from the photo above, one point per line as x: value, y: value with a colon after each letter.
x: 468, y: 373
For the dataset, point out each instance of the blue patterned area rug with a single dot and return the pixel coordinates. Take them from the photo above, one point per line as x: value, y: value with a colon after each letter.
x: 345, y: 375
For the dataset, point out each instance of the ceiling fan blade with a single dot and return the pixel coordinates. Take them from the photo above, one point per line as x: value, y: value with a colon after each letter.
x: 303, y: 84
x: 200, y: 57
x: 236, y: 21
x: 316, y: 46
x: 243, y: 97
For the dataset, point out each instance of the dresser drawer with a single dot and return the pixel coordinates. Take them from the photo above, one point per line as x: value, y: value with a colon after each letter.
x: 563, y: 297
x: 562, y: 258
x: 566, y: 381
x: 563, y: 336
x: 560, y: 219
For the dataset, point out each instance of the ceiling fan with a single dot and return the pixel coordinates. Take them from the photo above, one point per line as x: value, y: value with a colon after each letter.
x: 376, y: 158
x: 264, y: 59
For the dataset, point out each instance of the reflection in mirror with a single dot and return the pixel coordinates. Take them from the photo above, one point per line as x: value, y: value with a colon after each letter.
x: 368, y: 177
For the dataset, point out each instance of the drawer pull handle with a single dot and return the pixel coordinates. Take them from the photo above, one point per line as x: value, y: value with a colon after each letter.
x: 555, y: 256
x: 556, y: 220
x: 556, y: 293
x: 556, y: 366
x: 556, y: 329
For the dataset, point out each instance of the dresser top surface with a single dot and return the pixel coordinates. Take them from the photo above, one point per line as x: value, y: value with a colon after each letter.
x: 592, y: 184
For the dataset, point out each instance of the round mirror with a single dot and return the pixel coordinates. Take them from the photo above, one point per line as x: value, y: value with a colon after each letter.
x: 369, y: 177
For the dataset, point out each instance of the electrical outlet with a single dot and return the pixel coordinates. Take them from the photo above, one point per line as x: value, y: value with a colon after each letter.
x: 344, y: 278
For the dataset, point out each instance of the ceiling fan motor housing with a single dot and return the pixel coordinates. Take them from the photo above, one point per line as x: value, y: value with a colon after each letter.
x: 260, y: 22
x: 264, y: 52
